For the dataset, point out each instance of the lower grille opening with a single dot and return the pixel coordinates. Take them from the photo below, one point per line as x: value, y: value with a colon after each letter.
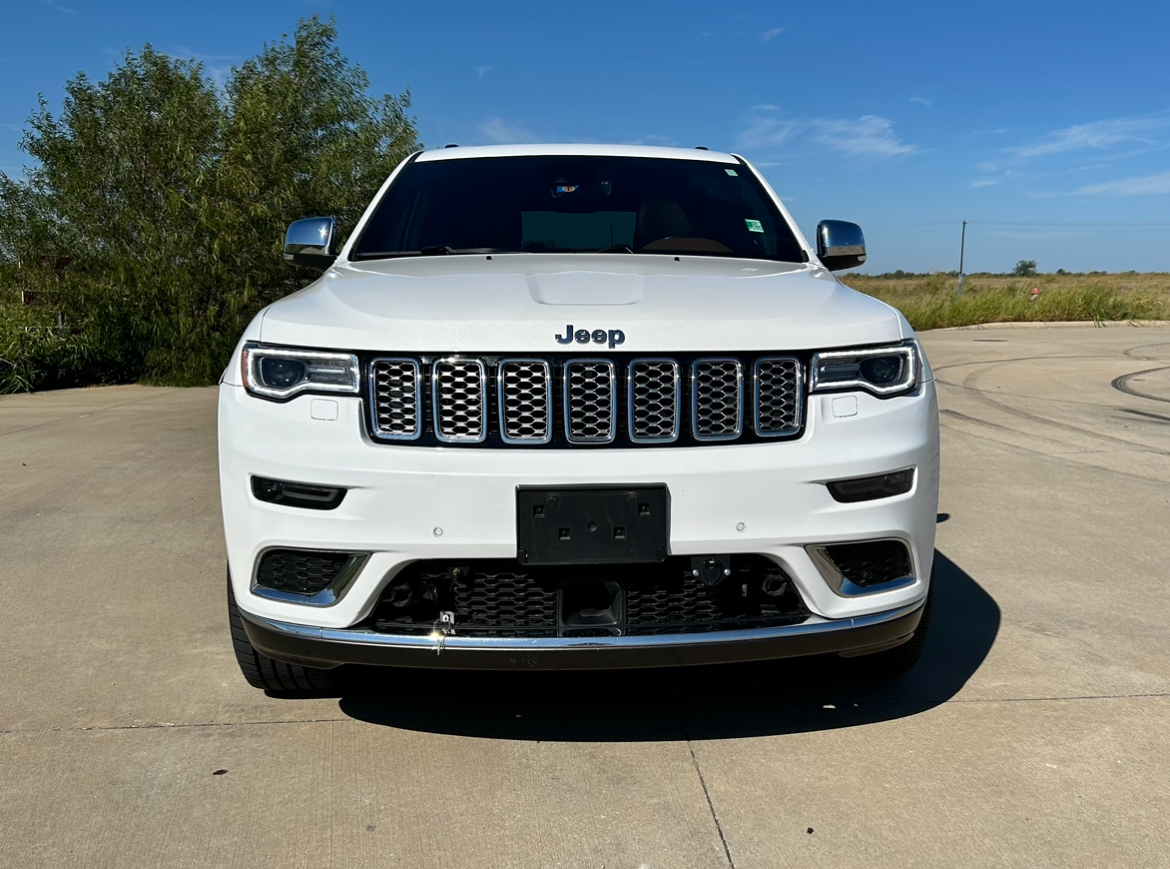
x: 501, y: 597
x: 871, y: 563
x: 300, y: 571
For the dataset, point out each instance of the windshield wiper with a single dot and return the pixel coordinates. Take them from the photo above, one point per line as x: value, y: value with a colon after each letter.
x: 618, y: 248
x: 436, y: 250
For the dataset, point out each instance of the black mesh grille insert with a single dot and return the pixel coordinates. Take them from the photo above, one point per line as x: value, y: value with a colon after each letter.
x: 394, y: 387
x: 525, y: 412
x: 872, y: 562
x: 299, y: 571
x: 777, y: 396
x: 504, y: 598
x: 459, y: 399
x: 589, y: 401
x: 717, y: 399
x: 653, y: 399
x: 679, y: 602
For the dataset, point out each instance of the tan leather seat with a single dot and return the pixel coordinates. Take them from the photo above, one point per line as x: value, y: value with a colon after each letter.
x: 658, y: 219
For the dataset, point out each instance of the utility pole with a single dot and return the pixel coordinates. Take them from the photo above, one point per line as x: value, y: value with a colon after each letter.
x: 962, y: 251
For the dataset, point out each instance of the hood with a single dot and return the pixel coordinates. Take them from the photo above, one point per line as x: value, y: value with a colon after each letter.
x: 525, y: 302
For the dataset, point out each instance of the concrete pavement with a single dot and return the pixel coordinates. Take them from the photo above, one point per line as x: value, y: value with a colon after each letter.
x: 1033, y: 733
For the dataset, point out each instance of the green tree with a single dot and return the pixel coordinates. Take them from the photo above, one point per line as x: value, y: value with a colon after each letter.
x: 171, y: 197
x: 1025, y: 268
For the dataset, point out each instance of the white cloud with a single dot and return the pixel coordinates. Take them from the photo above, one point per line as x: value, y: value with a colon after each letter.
x: 769, y: 35
x: 986, y: 182
x: 497, y: 131
x: 58, y: 7
x: 923, y: 101
x: 481, y: 71
x: 652, y: 139
x: 869, y: 137
x: 213, y: 64
x: 766, y: 128
x: 1139, y: 186
x: 1097, y: 135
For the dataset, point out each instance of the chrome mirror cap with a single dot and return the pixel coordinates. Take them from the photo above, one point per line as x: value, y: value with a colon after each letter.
x: 309, y: 243
x: 840, y: 245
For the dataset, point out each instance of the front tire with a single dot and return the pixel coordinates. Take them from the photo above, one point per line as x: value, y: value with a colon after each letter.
x: 260, y: 671
x: 899, y: 660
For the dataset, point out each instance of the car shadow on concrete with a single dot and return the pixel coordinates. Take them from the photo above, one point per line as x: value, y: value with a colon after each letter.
x: 718, y: 702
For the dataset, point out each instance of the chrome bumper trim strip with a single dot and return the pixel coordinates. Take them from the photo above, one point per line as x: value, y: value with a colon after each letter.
x: 453, y: 641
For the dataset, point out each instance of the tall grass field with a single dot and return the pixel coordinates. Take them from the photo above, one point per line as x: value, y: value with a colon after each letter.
x: 932, y: 301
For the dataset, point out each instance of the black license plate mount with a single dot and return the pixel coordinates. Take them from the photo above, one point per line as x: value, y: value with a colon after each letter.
x: 592, y: 524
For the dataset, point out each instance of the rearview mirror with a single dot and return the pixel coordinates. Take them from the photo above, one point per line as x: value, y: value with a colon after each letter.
x: 309, y: 243
x: 840, y: 245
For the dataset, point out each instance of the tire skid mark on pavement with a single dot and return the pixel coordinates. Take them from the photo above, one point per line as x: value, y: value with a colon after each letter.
x: 92, y: 412
x: 970, y: 387
x: 1132, y: 351
x: 1121, y: 384
x: 1064, y: 459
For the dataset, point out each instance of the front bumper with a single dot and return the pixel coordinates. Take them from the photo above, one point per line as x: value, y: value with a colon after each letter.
x: 330, y: 647
x: 407, y: 504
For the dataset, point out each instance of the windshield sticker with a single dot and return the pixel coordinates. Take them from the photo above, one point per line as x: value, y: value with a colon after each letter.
x: 732, y: 173
x: 754, y: 225
x: 566, y: 188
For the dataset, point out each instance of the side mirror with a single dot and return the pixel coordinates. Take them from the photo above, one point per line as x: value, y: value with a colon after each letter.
x: 309, y: 243
x: 840, y: 245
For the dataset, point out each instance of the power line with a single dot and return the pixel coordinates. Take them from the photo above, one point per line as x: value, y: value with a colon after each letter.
x: 1021, y: 223
x: 1010, y: 223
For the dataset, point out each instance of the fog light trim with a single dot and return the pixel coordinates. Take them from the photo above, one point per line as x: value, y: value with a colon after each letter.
x: 846, y: 587
x: 858, y: 489
x: 307, y: 496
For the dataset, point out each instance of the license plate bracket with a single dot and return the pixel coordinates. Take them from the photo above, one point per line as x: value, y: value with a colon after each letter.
x: 592, y: 524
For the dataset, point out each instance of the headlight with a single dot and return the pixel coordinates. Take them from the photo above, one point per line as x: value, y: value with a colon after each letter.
x: 280, y: 372
x: 880, y: 370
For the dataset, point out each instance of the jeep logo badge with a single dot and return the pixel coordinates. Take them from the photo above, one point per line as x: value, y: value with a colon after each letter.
x: 597, y: 336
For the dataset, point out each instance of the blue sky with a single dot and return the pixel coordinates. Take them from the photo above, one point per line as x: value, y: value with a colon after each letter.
x: 1038, y: 122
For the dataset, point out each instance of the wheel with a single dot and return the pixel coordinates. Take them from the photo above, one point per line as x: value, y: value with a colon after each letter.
x: 900, y: 659
x: 263, y: 672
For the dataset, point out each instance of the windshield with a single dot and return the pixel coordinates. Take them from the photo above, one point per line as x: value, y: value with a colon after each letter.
x: 577, y: 204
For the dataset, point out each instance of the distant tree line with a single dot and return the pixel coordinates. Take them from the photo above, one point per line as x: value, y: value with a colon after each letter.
x: 146, y: 233
x: 1024, y: 268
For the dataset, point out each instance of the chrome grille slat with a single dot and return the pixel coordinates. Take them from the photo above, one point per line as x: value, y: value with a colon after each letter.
x: 777, y: 383
x: 459, y: 398
x: 717, y: 399
x: 396, y: 396
x: 590, y: 401
x: 653, y: 390
x: 524, y: 389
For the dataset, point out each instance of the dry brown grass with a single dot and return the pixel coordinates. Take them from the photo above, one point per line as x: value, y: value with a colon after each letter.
x: 930, y: 302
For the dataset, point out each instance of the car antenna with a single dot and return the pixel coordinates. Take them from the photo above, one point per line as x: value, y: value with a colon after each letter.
x: 450, y: 146
x: 701, y: 147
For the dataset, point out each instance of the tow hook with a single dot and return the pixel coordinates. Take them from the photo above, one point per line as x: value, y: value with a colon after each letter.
x: 443, y: 627
x: 711, y: 569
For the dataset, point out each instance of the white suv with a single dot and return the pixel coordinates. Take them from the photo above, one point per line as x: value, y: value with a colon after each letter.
x: 576, y: 406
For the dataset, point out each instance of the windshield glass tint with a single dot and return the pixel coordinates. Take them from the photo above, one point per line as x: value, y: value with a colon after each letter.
x: 577, y: 204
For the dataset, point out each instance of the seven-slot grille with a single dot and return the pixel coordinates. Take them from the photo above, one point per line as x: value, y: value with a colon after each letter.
x: 584, y: 401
